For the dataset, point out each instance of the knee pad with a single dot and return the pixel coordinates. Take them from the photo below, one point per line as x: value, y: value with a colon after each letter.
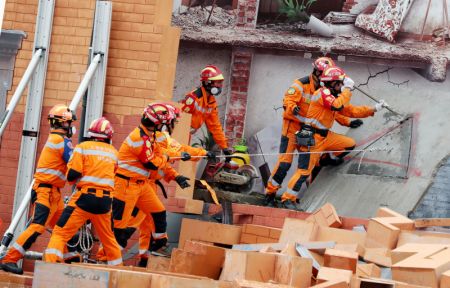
x: 65, y: 216
x: 118, y: 208
x: 298, y: 184
x: 32, y: 239
x: 303, y: 161
x: 160, y: 220
x: 121, y: 237
x: 284, y: 144
x: 281, y: 172
x: 41, y: 213
x: 342, y: 155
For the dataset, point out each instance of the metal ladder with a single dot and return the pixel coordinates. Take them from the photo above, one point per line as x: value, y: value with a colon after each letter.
x: 96, y: 70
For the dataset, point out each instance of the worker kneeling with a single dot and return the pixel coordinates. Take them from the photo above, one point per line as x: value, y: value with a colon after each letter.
x: 315, y: 135
x: 93, y: 164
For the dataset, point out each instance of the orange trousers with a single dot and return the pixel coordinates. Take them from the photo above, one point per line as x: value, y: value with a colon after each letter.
x: 86, y: 204
x: 146, y: 227
x: 288, y: 145
x: 307, y: 161
x: 129, y: 194
x: 47, y: 210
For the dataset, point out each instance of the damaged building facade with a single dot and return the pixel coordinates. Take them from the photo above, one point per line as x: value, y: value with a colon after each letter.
x: 263, y: 59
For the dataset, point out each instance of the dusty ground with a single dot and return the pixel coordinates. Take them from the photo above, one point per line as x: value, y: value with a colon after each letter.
x: 195, y: 18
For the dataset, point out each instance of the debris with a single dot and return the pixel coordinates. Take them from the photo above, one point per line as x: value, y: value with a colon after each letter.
x: 427, y: 222
x: 340, y: 18
x: 195, y: 18
x: 341, y: 259
x: 326, y: 216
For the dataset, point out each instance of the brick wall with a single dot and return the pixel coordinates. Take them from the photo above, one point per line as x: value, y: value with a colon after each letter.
x: 247, y: 13
x: 237, y: 104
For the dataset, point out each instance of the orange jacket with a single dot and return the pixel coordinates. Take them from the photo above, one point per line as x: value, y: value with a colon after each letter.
x: 204, y: 110
x: 139, y: 153
x: 324, y: 107
x: 172, y: 148
x: 299, y: 94
x: 97, y: 164
x: 52, y: 164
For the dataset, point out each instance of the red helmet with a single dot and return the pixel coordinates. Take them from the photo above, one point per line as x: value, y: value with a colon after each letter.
x: 332, y: 74
x: 323, y: 63
x: 176, y: 112
x: 211, y: 73
x: 158, y: 113
x: 101, y: 128
x: 60, y: 113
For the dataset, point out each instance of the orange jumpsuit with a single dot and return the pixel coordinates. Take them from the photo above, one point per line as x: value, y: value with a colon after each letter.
x: 139, y: 155
x: 94, y: 164
x: 49, y: 178
x: 299, y: 94
x: 204, y: 110
x: 141, y: 220
x: 322, y: 112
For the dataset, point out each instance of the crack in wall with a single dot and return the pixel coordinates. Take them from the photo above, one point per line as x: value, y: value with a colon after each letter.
x: 371, y: 76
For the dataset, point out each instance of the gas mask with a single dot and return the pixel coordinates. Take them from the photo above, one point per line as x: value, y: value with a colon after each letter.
x: 216, y: 91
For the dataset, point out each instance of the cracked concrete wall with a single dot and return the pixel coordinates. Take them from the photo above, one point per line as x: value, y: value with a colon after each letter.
x: 416, y: 16
x: 405, y: 90
x: 191, y: 60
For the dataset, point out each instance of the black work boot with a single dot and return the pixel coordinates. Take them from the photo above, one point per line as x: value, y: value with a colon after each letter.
x: 143, y: 262
x: 12, y: 267
x: 291, y: 205
x: 269, y: 200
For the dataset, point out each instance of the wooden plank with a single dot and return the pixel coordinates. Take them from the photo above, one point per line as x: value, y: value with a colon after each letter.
x: 193, y: 206
x: 188, y: 169
x: 208, y: 231
x: 156, y: 263
x: 427, y: 222
x: 167, y: 61
x: 68, y: 276
x: 163, y: 16
x: 15, y: 281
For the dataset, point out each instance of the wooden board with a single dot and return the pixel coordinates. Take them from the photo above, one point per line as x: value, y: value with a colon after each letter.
x: 167, y: 60
x: 427, y: 222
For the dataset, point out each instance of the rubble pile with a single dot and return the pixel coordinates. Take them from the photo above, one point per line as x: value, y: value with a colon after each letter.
x: 195, y: 18
x: 388, y: 250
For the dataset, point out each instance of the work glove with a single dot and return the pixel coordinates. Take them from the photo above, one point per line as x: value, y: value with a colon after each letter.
x: 356, y: 123
x: 227, y: 151
x: 380, y: 105
x: 182, y: 181
x: 348, y: 83
x: 296, y: 110
x: 156, y: 244
x: 210, y: 155
x: 185, y: 156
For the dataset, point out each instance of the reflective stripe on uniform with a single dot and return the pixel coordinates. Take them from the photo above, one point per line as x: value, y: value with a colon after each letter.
x: 54, y: 146
x: 298, y: 86
x: 19, y: 248
x: 315, y: 122
x: 96, y: 153
x: 115, y: 261
x: 70, y: 255
x: 133, y: 143
x: 55, y: 252
x: 292, y: 192
x: 159, y: 235
x: 273, y: 182
x: 144, y: 252
x: 97, y: 180
x: 201, y: 109
x: 134, y: 169
x: 161, y: 138
x: 52, y: 172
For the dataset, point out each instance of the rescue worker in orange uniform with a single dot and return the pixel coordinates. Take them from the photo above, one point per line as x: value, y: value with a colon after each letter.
x: 92, y: 166
x: 295, y: 104
x: 201, y: 103
x: 48, y: 180
x: 139, y: 155
x: 315, y: 135
x: 173, y: 149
